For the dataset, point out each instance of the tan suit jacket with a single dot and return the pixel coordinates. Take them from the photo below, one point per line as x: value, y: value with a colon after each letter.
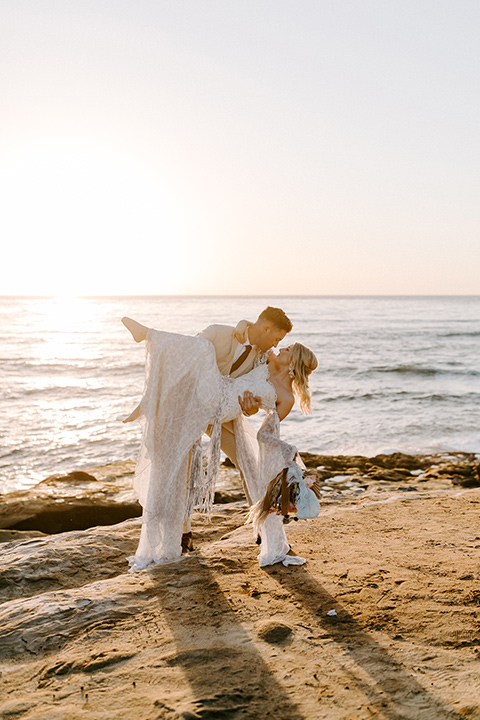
x: 226, y: 340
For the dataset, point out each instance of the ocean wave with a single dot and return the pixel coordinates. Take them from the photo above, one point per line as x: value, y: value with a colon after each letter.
x: 361, y: 396
x: 406, y: 369
x: 467, y: 397
x: 21, y: 368
x: 419, y: 370
x: 460, y: 333
x: 352, y: 371
x: 399, y: 396
x: 57, y: 392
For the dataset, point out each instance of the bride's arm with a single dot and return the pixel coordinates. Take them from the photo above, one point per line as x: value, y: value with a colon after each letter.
x: 268, y: 436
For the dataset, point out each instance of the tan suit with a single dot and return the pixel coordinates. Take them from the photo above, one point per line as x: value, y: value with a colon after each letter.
x: 226, y: 340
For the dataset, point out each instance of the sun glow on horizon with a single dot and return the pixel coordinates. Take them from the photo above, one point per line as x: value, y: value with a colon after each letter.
x: 77, y: 213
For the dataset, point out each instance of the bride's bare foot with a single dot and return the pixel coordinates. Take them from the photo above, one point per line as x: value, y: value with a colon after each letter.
x: 134, y: 415
x: 138, y: 331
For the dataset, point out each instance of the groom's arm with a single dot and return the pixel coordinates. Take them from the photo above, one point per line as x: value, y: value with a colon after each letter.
x: 209, y: 332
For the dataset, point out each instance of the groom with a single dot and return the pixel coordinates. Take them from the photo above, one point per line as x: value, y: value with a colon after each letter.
x: 238, y: 350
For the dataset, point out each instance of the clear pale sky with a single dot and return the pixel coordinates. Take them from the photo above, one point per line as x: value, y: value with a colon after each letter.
x: 240, y: 147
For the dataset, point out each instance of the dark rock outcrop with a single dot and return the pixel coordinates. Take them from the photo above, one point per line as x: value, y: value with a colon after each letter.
x: 465, y: 475
x: 76, y: 501
x: 460, y: 468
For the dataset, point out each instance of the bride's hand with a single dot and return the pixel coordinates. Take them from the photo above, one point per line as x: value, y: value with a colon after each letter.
x: 250, y: 404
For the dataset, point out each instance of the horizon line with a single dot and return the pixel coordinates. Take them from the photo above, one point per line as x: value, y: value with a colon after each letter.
x: 235, y: 295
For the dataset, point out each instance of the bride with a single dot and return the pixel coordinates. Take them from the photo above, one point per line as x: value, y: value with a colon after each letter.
x: 184, y: 394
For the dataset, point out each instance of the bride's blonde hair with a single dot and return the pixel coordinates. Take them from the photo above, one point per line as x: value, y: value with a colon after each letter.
x: 302, y: 363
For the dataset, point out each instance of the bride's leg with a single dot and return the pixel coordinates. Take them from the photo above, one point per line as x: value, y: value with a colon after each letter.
x: 138, y: 331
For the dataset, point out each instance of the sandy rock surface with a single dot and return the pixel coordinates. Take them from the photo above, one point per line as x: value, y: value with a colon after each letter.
x: 383, y: 621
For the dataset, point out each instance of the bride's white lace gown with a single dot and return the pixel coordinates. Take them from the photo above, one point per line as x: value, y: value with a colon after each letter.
x: 185, y: 393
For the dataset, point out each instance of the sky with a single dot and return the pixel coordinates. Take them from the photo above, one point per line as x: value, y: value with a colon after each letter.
x: 236, y: 147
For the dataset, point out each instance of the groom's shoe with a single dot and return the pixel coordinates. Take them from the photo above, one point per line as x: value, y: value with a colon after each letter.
x: 187, y: 543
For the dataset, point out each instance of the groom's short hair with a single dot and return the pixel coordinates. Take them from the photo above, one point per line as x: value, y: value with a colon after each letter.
x: 276, y: 317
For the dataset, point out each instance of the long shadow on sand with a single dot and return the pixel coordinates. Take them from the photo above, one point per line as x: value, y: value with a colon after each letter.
x: 392, y: 688
x: 226, y: 674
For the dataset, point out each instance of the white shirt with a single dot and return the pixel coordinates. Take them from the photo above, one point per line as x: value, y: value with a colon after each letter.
x: 241, y: 348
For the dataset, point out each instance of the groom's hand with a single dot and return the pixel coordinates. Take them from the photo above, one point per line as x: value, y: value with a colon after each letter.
x: 250, y: 404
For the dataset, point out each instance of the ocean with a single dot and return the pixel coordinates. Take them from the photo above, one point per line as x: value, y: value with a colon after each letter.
x: 395, y: 374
